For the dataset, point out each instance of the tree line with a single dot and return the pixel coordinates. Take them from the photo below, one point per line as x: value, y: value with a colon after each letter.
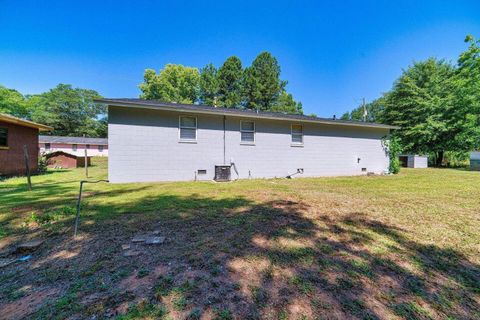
x: 70, y: 111
x: 437, y: 105
x: 73, y: 112
x: 256, y: 87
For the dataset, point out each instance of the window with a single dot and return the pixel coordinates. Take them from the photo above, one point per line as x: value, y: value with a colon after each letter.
x: 47, y: 146
x: 188, y: 128
x: 74, y: 147
x: 100, y: 148
x: 297, y: 134
x: 87, y: 146
x: 247, y: 130
x: 3, y: 137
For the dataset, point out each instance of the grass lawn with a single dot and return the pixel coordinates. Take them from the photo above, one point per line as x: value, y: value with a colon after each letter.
x: 396, y: 247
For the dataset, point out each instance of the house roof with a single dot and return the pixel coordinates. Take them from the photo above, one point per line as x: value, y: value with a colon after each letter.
x: 25, y: 123
x: 60, y: 152
x: 73, y: 140
x: 197, y: 108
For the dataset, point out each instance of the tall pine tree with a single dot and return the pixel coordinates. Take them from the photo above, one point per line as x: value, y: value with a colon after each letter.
x: 208, y: 85
x: 230, y: 77
x: 262, y: 85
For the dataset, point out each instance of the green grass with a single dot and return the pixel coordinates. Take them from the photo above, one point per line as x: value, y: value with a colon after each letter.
x: 237, y: 249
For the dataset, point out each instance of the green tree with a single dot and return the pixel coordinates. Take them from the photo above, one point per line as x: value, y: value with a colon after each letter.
x: 286, y: 103
x: 464, y: 114
x: 175, y: 83
x: 13, y: 103
x: 419, y: 103
x: 262, y: 85
x: 70, y: 111
x: 374, y: 112
x: 230, y: 77
x: 208, y: 85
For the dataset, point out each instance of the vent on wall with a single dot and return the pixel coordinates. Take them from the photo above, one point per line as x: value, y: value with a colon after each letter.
x: 202, y: 171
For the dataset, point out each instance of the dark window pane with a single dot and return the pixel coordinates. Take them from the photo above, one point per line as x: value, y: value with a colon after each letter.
x: 248, y: 126
x: 3, y: 137
x: 297, y: 138
x: 248, y: 137
x: 189, y: 122
x: 188, y: 134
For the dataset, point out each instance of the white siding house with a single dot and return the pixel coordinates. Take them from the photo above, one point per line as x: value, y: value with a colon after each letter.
x: 96, y: 147
x: 153, y: 141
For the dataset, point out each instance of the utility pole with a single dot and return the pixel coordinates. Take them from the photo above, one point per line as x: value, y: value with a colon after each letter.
x: 364, y: 110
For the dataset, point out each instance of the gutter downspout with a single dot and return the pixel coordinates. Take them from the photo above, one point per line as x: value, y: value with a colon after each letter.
x: 224, y: 144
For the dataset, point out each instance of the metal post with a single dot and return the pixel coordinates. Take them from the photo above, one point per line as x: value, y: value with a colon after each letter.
x: 77, y: 217
x: 86, y: 163
x: 78, y: 209
x: 27, y: 167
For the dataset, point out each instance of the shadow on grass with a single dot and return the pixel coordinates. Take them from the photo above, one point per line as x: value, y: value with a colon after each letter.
x: 232, y: 258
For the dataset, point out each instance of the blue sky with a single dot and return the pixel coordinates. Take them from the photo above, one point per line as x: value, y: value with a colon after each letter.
x: 332, y: 53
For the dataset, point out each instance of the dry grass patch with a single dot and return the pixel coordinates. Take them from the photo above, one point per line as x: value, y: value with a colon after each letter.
x: 404, y: 246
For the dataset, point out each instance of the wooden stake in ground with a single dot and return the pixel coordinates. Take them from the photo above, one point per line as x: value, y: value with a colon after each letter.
x: 86, y: 162
x: 27, y: 167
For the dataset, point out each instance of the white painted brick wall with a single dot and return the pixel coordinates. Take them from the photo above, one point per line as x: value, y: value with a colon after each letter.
x: 144, y: 146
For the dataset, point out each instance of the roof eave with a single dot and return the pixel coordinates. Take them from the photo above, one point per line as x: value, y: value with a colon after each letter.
x: 26, y: 123
x: 158, y: 106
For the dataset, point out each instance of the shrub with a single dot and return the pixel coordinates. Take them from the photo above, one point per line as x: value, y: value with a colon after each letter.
x: 42, y: 164
x: 393, y: 149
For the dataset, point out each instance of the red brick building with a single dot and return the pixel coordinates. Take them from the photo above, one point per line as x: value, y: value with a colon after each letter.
x: 16, y: 133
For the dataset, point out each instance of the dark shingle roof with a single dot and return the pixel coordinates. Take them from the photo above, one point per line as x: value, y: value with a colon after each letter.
x: 198, y: 108
x: 73, y: 140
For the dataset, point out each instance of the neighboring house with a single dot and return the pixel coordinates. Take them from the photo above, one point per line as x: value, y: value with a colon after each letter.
x: 475, y: 160
x: 413, y: 161
x: 65, y: 160
x: 16, y: 135
x: 155, y: 141
x: 96, y: 147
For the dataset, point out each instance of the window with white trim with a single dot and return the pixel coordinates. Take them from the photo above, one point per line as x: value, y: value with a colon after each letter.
x: 247, y: 131
x: 188, y: 128
x: 297, y: 134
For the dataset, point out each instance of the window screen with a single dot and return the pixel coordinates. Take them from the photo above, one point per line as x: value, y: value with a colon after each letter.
x: 3, y: 137
x: 297, y: 133
x: 188, y: 128
x: 247, y: 129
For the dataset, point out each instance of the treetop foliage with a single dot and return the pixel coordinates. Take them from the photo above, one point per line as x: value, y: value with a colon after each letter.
x: 256, y: 87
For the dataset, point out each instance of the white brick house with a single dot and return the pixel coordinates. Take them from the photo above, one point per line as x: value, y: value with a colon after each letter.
x: 155, y: 141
